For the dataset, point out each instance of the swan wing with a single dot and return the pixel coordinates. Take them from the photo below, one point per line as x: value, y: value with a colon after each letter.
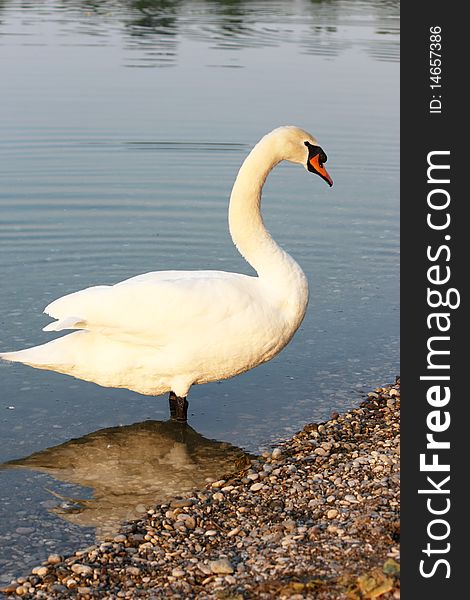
x: 152, y: 309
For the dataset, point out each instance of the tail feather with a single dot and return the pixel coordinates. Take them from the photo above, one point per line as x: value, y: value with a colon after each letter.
x: 45, y: 356
x: 30, y: 356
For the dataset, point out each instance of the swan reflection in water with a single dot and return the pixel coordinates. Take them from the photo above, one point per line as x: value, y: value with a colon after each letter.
x: 131, y: 467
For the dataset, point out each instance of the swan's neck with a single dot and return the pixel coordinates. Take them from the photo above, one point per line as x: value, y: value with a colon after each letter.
x: 247, y: 229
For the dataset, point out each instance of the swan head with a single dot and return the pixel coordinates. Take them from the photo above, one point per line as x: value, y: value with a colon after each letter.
x: 300, y: 147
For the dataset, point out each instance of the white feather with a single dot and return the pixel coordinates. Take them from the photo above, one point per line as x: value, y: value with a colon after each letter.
x: 167, y: 330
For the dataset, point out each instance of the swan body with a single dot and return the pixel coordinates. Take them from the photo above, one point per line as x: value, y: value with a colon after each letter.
x: 167, y: 330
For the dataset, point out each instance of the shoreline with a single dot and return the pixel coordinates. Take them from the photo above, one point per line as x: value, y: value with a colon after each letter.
x: 318, y: 517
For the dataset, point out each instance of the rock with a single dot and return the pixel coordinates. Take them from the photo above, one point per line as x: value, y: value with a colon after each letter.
x: 181, y: 503
x: 374, y: 583
x: 290, y: 525
x: 54, y: 559
x: 190, y: 523
x: 219, y: 484
x: 57, y: 588
x: 178, y: 573
x: 24, y: 531
x: 83, y: 570
x: 20, y: 590
x: 9, y: 589
x: 181, y: 516
x: 221, y: 566
x: 332, y: 513
x: 256, y: 487
x: 83, y: 590
x: 210, y: 533
x: 391, y: 567
x: 205, y: 569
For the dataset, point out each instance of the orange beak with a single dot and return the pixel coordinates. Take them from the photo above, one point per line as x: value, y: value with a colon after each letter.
x: 320, y: 169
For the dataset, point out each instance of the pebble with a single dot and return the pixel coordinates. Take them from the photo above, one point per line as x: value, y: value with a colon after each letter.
x: 82, y: 589
x: 9, y: 589
x: 205, y: 569
x: 24, y: 530
x: 178, y: 573
x: 20, y: 590
x: 219, y: 484
x: 190, y: 523
x: 80, y: 569
x: 221, y: 566
x: 181, y: 503
x: 256, y: 487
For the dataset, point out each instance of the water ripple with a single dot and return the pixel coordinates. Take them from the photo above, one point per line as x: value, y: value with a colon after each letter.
x: 151, y: 31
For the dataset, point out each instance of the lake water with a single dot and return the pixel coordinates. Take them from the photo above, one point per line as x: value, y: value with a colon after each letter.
x: 123, y: 127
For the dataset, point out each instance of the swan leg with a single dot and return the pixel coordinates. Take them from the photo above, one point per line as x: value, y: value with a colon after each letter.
x: 178, y: 408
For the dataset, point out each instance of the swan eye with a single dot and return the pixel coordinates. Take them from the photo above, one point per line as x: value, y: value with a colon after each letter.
x: 315, y: 151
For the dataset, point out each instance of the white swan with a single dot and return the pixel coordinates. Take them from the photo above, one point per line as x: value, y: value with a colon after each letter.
x: 167, y: 330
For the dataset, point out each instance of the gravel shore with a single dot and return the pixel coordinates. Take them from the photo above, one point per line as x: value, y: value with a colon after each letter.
x: 318, y: 517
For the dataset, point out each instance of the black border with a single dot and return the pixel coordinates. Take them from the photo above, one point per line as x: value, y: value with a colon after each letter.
x: 422, y: 132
